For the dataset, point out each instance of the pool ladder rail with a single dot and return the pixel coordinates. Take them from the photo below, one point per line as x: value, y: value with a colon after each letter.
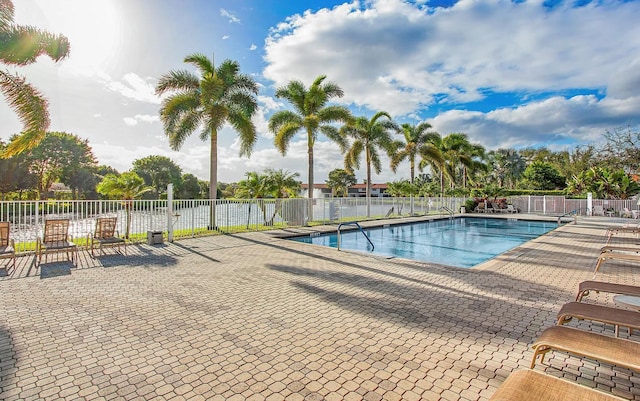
x: 449, y: 211
x: 354, y: 223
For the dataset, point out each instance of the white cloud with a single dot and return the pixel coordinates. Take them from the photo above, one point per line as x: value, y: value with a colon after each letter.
x: 253, y: 47
x: 133, y: 121
x: 134, y: 87
x: 225, y: 37
x: 399, y: 57
x: 232, y: 17
x: 579, y: 119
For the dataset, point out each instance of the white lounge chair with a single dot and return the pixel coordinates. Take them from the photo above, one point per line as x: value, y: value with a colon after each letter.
x: 598, y: 210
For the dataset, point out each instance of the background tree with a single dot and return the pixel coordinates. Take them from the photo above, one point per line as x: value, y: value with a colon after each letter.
x: 283, y: 183
x: 14, y: 174
x: 603, y: 183
x: 225, y: 190
x: 190, y: 188
x: 622, y: 150
x: 401, y: 188
x: 339, y: 181
x: 216, y: 97
x: 158, y: 172
x: 541, y: 175
x: 415, y: 137
x: 126, y: 186
x: 59, y: 156
x: 505, y: 167
x: 369, y: 136
x: 19, y: 46
x: 312, y: 115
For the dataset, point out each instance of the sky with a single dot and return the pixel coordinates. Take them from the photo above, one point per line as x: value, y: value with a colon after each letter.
x: 509, y: 74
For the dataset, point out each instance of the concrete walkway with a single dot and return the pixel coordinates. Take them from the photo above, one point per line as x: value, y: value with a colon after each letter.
x: 258, y: 317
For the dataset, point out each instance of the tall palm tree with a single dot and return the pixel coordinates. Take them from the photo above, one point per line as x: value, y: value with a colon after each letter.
x: 127, y: 186
x: 216, y: 97
x: 310, y: 114
x: 19, y: 46
x: 462, y: 156
x: 415, y: 137
x: 433, y: 155
x: 369, y: 135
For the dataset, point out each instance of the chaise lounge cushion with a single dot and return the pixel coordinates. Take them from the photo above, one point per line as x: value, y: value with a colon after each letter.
x: 530, y: 385
x: 613, y: 350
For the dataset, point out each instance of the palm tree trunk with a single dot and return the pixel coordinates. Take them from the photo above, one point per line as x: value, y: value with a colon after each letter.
x: 412, y: 166
x: 368, y: 184
x: 213, y: 178
x: 310, y: 153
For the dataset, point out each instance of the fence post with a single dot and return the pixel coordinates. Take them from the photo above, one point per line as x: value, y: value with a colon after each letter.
x: 170, y: 212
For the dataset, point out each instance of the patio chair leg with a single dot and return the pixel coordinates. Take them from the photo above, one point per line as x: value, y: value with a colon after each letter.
x: 600, y: 260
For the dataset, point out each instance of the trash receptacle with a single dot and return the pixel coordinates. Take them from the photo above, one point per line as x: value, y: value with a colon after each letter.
x: 154, y: 237
x: 463, y: 209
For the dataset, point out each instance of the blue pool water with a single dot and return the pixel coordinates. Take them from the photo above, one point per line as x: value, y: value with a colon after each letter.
x: 461, y: 242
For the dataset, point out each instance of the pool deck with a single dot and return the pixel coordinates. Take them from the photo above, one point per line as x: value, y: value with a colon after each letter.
x: 257, y: 317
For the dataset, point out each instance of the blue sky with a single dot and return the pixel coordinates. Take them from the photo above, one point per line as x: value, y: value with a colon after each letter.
x: 507, y: 73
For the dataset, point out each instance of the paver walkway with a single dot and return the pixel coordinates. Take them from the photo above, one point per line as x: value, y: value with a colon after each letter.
x: 257, y: 317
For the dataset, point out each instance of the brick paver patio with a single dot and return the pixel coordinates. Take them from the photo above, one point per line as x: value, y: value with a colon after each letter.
x: 257, y: 317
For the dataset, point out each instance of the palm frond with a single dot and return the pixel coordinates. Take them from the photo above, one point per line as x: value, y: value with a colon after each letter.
x: 189, y: 122
x: 282, y: 117
x: 295, y: 93
x: 21, y: 45
x: 336, y: 136
x: 375, y: 160
x: 177, y: 80
x: 242, y: 123
x: 202, y: 62
x: 284, y: 135
x: 6, y: 14
x: 174, y: 106
x: 334, y: 113
x: 397, y: 158
x: 352, y: 157
x: 31, y: 108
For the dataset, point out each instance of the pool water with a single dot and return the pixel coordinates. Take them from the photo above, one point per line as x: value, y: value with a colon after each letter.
x: 461, y: 242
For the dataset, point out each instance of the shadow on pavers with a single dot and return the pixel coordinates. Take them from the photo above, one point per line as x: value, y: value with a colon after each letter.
x: 55, y: 269
x: 8, y: 358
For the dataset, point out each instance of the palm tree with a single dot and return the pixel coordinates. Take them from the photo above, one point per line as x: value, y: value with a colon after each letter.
x: 464, y: 155
x: 256, y: 186
x: 369, y: 136
x: 311, y: 114
x: 283, y: 183
x: 506, y: 166
x: 415, y: 137
x: 433, y: 155
x: 19, y: 46
x: 127, y: 186
x: 273, y: 183
x: 218, y: 96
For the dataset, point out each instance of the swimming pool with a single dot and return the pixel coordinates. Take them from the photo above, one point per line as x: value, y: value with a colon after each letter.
x: 461, y: 242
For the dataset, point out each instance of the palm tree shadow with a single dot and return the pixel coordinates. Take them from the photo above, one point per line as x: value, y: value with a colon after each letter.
x: 9, y: 358
x: 429, y: 305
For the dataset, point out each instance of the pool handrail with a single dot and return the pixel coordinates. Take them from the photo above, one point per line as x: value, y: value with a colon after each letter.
x: 449, y: 211
x: 351, y: 223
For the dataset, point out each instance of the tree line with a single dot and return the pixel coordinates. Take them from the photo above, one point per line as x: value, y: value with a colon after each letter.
x: 65, y: 158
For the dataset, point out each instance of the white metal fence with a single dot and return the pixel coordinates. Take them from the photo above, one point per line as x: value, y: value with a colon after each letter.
x: 188, y: 218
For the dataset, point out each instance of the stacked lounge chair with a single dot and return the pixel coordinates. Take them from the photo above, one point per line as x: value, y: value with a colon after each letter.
x: 531, y: 385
